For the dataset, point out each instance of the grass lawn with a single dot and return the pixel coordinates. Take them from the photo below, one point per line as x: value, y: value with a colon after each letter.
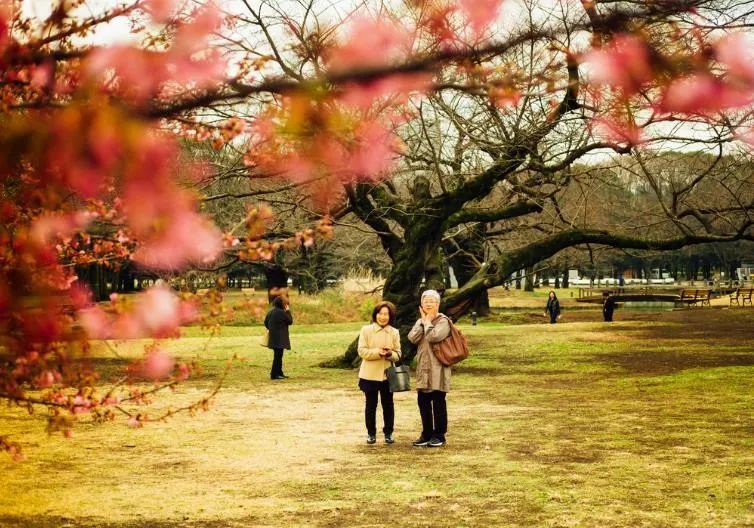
x: 646, y: 422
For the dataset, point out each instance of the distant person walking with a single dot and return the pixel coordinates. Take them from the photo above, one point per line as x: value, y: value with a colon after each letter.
x: 553, y: 307
x: 277, y: 321
x: 432, y: 377
x: 379, y: 345
x: 608, y: 307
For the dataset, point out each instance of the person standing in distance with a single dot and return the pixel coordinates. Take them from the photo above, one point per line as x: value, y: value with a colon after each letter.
x: 277, y: 321
x: 608, y: 307
x: 553, y: 307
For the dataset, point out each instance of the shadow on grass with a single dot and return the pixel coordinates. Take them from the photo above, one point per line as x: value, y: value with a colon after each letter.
x: 660, y: 362
x: 685, y: 339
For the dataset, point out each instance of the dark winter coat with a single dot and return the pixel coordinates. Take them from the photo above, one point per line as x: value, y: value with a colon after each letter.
x: 553, y: 307
x: 277, y: 322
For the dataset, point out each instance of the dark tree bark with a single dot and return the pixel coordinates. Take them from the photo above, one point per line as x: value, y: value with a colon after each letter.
x: 466, y: 253
x: 565, y: 275
x: 529, y: 279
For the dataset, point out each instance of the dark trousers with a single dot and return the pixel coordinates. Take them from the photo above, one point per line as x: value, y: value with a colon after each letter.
x: 553, y: 317
x: 388, y: 409
x: 434, y: 414
x: 277, y: 363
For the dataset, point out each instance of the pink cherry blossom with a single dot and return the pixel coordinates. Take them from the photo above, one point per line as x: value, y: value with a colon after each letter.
x: 45, y: 379
x: 371, y: 43
x: 746, y: 135
x: 80, y: 295
x: 503, y: 96
x: 192, y: 36
x: 160, y: 10
x: 157, y: 365
x: 158, y: 311
x: 624, y: 64
x: 95, y: 322
x: 187, y: 238
x: 141, y: 73
x: 48, y: 227
x: 133, y: 67
x: 480, y: 13
x: 702, y: 94
x: 134, y: 422
x: 615, y: 131
x: 374, y: 154
x: 41, y: 75
x: 127, y: 326
x: 81, y: 404
x: 736, y: 53
x: 5, y: 21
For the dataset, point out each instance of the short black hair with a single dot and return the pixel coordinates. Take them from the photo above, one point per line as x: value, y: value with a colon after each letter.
x: 278, y: 302
x: 390, y: 310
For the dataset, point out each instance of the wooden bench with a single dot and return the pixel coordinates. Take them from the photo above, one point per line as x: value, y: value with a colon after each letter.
x: 741, y: 297
x: 695, y: 297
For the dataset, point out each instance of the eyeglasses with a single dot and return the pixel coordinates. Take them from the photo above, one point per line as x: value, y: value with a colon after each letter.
x: 429, y: 301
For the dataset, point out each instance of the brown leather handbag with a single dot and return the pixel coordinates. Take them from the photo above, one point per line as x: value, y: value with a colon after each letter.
x: 453, y: 348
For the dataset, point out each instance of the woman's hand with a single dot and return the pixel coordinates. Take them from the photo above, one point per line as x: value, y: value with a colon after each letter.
x: 386, y: 352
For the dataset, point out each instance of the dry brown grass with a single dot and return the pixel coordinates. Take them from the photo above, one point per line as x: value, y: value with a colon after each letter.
x: 645, y: 422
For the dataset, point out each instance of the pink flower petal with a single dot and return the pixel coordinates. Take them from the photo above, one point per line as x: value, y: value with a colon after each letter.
x: 157, y: 365
x: 371, y: 43
x: 616, y: 132
x: 624, y: 64
x: 702, y: 94
x: 736, y: 53
x: 480, y: 13
x: 95, y: 322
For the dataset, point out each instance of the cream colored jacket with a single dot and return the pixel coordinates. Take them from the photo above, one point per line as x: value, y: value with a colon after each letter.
x: 372, y: 339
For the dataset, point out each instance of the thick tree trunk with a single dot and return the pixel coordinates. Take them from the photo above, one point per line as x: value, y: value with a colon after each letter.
x: 529, y: 280
x: 402, y: 286
x: 564, y: 283
x: 465, y: 255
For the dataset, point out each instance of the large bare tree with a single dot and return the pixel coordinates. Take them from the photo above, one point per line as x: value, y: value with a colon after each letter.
x: 506, y: 161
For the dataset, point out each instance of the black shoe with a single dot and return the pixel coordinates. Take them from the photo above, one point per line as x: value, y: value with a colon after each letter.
x: 371, y: 439
x: 420, y: 442
x: 277, y: 377
x: 283, y: 376
x: 389, y: 439
x: 436, y: 442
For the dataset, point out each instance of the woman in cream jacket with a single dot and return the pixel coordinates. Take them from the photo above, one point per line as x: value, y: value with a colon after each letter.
x: 379, y: 345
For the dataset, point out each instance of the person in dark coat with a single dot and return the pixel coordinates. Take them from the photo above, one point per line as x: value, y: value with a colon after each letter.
x: 277, y: 321
x: 608, y: 307
x: 553, y: 308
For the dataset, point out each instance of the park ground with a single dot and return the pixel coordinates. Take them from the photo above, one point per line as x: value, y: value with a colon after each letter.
x: 645, y: 422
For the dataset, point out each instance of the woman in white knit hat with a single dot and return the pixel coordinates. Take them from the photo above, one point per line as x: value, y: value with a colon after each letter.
x: 432, y: 377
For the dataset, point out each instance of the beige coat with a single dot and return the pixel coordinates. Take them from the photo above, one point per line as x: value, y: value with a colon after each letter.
x: 372, y: 339
x: 430, y: 373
